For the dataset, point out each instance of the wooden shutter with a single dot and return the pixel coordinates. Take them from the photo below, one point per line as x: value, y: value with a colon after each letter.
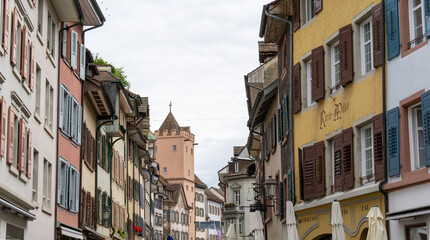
x: 348, y: 159
x: 427, y: 17
x: 82, y: 61
x: 24, y: 53
x: 32, y: 68
x: 286, y: 115
x: 22, y: 132
x: 82, y: 209
x: 378, y: 37
x: 289, y: 190
x: 296, y: 14
x: 279, y: 118
x: 103, y: 151
x: 346, y: 55
x: 29, y: 153
x: 74, y: 49
x: 301, y: 179
x: 84, y: 147
x: 392, y: 28
x: 297, y: 95
x: 337, y: 171
x: 379, y: 146
x: 320, y: 188
x: 6, y: 17
x: 309, y: 172
x: 109, y: 157
x: 318, y: 4
x: 425, y: 103
x: 3, y: 127
x: 93, y: 152
x: 318, y: 73
x: 393, y: 142
x: 274, y: 131
x: 14, y: 37
x: 281, y: 200
x: 79, y: 125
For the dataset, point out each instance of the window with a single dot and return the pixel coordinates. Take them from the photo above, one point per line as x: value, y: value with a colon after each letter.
x: 38, y: 87
x: 73, y: 189
x: 416, y: 137
x: 62, y: 182
x: 335, y: 65
x: 35, y: 175
x: 416, y: 22
x: 51, y: 34
x: 417, y: 232
x: 82, y: 61
x: 174, y: 148
x: 65, y: 103
x: 236, y: 195
x: 40, y: 17
x: 309, y: 83
x: 47, y: 182
x: 309, y: 10
x: 367, y: 152
x: 49, y: 105
x: 240, y: 226
x: 236, y: 167
x: 74, y: 50
x: 366, y: 46
x: 165, y: 170
x: 13, y: 232
x: 76, y: 113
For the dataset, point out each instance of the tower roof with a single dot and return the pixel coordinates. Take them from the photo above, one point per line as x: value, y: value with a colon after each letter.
x: 170, y: 124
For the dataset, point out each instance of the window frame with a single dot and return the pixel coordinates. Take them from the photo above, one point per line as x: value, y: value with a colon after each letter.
x: 236, y: 166
x: 413, y: 136
x: 362, y: 46
x: 333, y: 64
x: 47, y: 186
x: 309, y: 5
x: 408, y: 227
x: 411, y: 26
x: 364, y: 175
x: 308, y: 76
x: 236, y: 195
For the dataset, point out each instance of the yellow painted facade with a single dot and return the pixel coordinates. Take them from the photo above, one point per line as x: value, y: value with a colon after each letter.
x: 360, y: 99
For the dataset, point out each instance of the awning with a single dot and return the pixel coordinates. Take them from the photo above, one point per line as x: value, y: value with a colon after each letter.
x: 71, y: 232
x: 17, y: 210
x: 408, y: 213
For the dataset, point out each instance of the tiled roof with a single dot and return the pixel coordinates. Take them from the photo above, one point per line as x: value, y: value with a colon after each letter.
x: 199, y: 182
x: 212, y: 196
x: 237, y: 150
x: 169, y: 124
x: 106, y: 76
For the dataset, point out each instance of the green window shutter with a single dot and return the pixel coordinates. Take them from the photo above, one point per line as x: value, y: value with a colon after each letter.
x: 104, y: 151
x: 393, y: 142
x: 103, y: 203
x: 279, y: 118
x: 425, y: 104
x: 110, y: 207
x: 286, y: 118
x: 290, y: 185
x: 281, y: 200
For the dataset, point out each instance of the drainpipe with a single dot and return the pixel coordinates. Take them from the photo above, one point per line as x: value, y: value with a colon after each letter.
x: 384, y: 110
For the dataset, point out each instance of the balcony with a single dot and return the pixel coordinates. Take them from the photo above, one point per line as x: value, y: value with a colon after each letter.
x: 231, y: 210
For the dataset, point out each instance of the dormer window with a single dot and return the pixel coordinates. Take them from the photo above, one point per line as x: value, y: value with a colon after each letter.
x: 236, y: 167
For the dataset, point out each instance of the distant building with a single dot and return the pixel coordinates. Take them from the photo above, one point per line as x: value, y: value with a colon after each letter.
x: 200, y: 207
x: 177, y: 212
x: 214, y: 212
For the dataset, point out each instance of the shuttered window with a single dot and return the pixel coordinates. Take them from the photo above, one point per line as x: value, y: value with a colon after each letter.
x: 425, y: 103
x: 286, y: 115
x: 393, y: 142
x: 82, y: 61
x: 392, y: 28
x: 64, y: 41
x: 32, y: 67
x: 343, y: 161
x: 379, y: 146
x: 296, y: 14
x: 346, y: 55
x: 52, y: 32
x: 378, y: 35
x: 3, y: 113
x: 308, y: 173
x: 65, y: 99
x: 24, y: 53
x: 6, y: 19
x: 281, y: 200
x: 74, y: 50
x: 297, y: 95
x: 366, y: 46
x: 76, y: 121
x: 13, y: 50
x: 279, y: 119
x: 290, y: 179
x: 317, y: 75
x: 62, y: 188
x: 29, y: 153
x: 73, y: 189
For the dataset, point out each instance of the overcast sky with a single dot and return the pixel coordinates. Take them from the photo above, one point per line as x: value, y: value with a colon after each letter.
x: 193, y: 53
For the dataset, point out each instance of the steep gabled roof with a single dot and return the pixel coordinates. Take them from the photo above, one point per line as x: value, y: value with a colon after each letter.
x: 199, y: 183
x: 212, y: 196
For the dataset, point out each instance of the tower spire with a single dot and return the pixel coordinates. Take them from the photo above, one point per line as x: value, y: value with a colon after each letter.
x: 170, y: 105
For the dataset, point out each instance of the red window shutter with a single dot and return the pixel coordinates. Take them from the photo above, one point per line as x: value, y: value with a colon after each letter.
x: 318, y: 73
x: 378, y: 31
x: 93, y: 152
x: 32, y: 68
x: 378, y: 146
x: 88, y: 209
x: 346, y: 55
x: 337, y: 171
x: 29, y: 153
x: 309, y: 172
x: 348, y: 159
x: 320, y: 188
x: 21, y: 141
x: 6, y: 17
x: 24, y: 53
x: 3, y: 127
x: 14, y: 37
x: 297, y: 95
x: 318, y: 4
x: 296, y: 14
x: 10, y: 133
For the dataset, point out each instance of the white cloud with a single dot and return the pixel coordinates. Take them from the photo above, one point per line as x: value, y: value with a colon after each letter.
x: 193, y: 53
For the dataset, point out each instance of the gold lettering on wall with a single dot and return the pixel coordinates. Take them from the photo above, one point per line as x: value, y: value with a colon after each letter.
x: 335, y: 115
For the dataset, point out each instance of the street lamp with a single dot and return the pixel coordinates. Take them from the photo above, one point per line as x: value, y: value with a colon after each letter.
x: 269, y: 191
x: 106, y: 213
x: 270, y: 187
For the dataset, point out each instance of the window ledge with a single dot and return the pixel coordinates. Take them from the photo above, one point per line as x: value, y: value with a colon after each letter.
x: 49, y: 131
x: 13, y: 170
x: 37, y: 117
x: 23, y: 178
x: 46, y: 211
x: 364, y: 76
x: 407, y: 52
x: 16, y: 73
x: 310, y: 107
x: 51, y: 59
x: 39, y: 37
x: 308, y: 22
x: 1, y: 51
x: 25, y: 86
